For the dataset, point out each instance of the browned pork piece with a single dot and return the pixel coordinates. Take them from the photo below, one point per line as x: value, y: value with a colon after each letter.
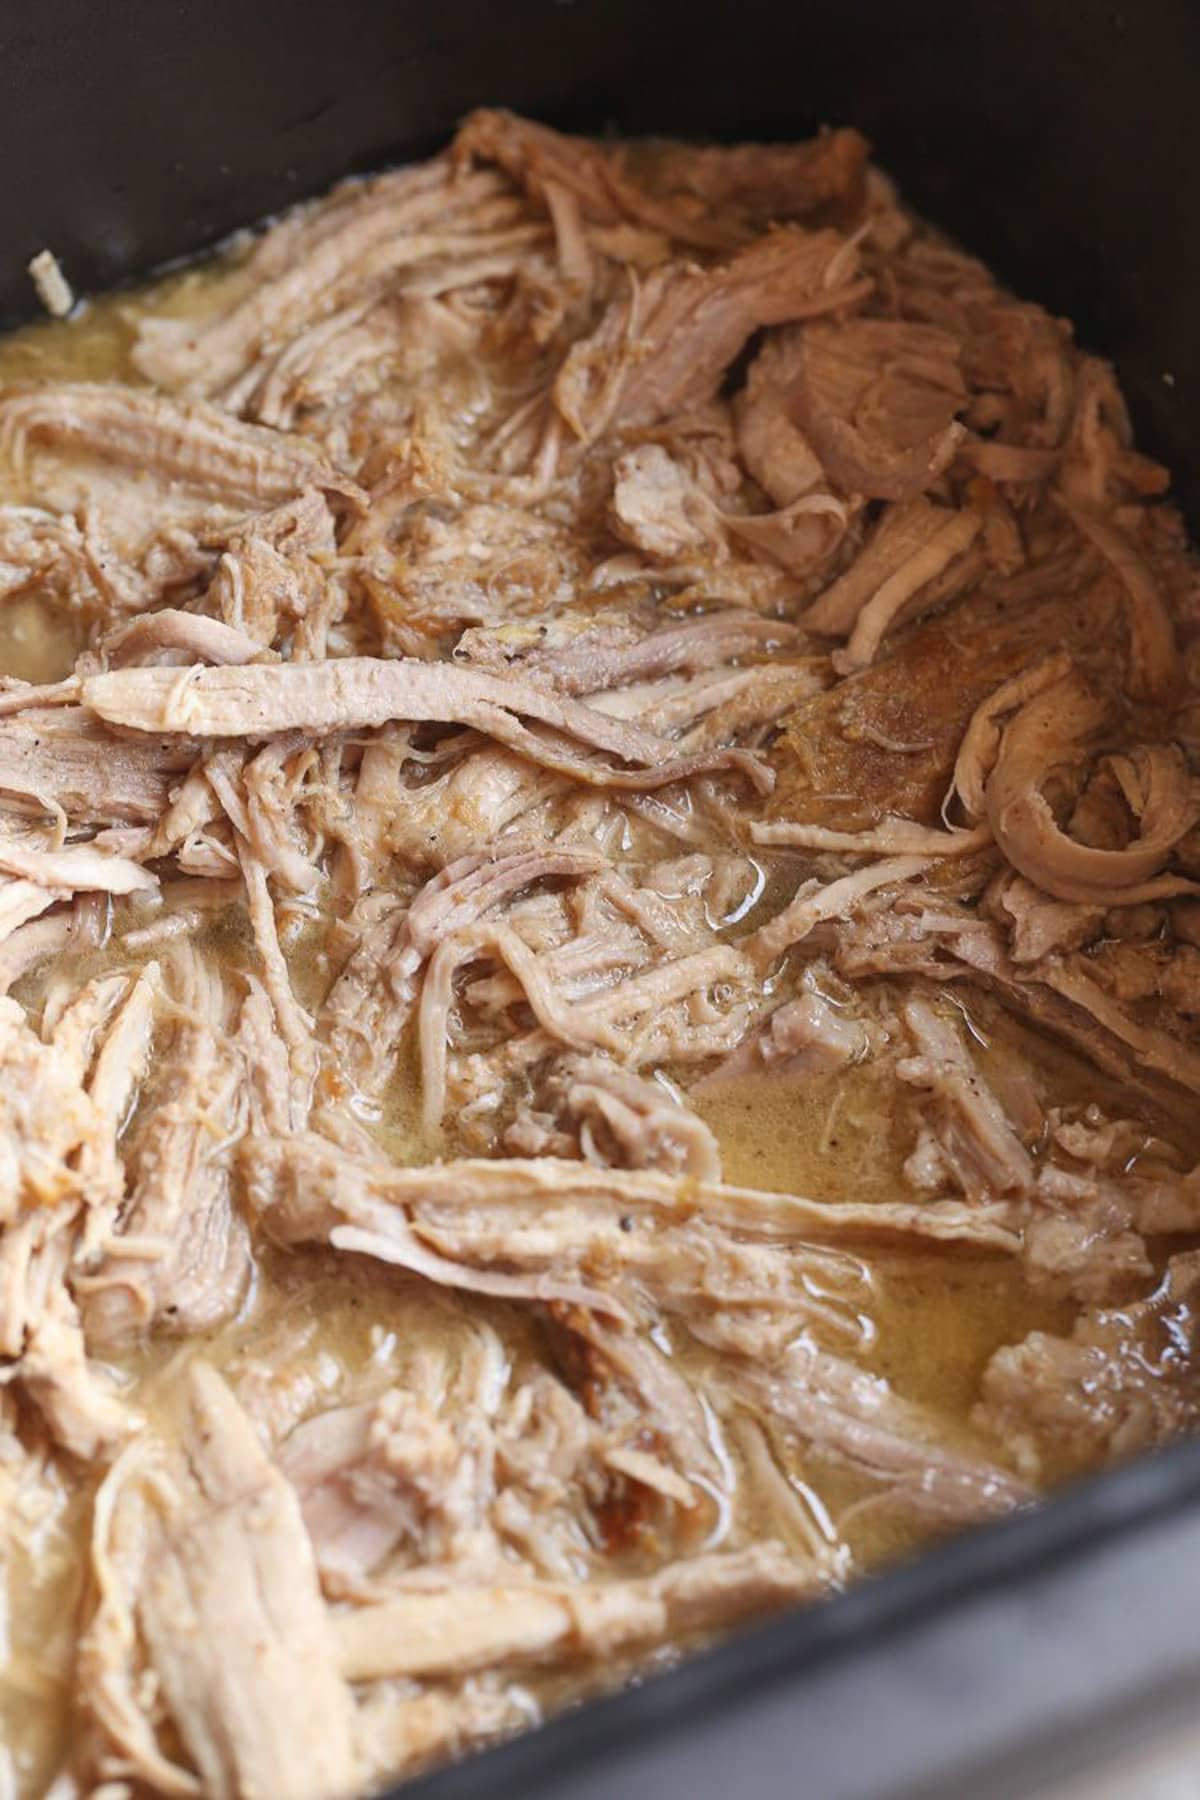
x: 884, y: 741
x: 1048, y: 730
x: 695, y: 195
x: 664, y: 350
x: 878, y: 401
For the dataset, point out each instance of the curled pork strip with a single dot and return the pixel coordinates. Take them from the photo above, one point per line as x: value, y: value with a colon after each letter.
x: 981, y: 741
x: 899, y: 596
x: 799, y: 537
x: 1050, y: 729
x: 172, y: 636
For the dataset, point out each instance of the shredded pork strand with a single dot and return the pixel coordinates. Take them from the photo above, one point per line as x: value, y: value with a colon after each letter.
x: 599, y: 949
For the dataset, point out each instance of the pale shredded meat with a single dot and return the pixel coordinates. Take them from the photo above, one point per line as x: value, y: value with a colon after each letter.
x: 601, y: 848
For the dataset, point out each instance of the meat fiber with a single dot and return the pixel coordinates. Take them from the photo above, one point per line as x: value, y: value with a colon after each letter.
x: 771, y: 444
x: 946, y: 941
x: 878, y: 401
x: 64, y: 1195
x: 665, y: 349
x: 274, y: 584
x: 978, y: 1144
x: 234, y: 1622
x: 615, y: 1119
x: 191, y: 443
x: 551, y: 1230
x: 1153, y: 657
x: 912, y: 545
x: 47, y: 1120
x: 453, y: 1633
x: 593, y: 662
x: 858, y: 1420
x: 179, y: 638
x: 805, y: 1036
x: 701, y: 197
x: 188, y: 1260
x: 304, y: 269
x: 260, y: 701
x: 62, y: 756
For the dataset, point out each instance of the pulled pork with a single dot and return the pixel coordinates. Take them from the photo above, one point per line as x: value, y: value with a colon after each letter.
x: 601, y: 686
